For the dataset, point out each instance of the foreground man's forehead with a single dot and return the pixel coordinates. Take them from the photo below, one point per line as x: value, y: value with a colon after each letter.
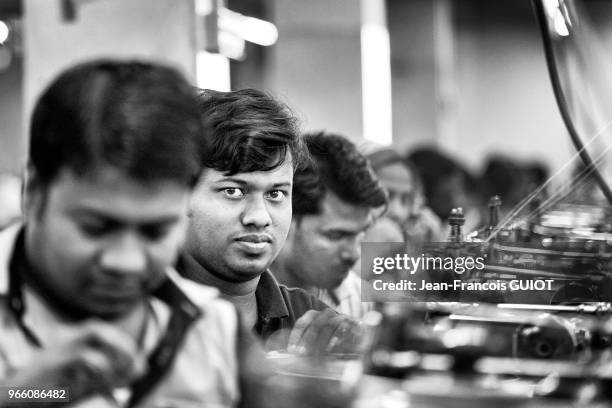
x: 112, y: 193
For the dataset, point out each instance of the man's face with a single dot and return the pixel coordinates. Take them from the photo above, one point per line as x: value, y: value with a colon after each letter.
x: 402, y: 191
x: 102, y: 241
x: 324, y: 247
x: 239, y: 223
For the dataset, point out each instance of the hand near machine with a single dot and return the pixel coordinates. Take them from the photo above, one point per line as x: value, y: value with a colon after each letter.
x: 318, y: 333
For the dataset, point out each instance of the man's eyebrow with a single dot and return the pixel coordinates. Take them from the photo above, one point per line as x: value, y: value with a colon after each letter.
x: 89, y: 212
x: 111, y: 218
x: 231, y: 180
x: 282, y: 184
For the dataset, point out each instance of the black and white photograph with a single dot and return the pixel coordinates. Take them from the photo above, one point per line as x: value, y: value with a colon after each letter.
x: 306, y: 203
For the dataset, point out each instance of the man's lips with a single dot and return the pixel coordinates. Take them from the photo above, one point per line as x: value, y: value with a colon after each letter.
x: 254, y: 238
x: 115, y: 295
x: 254, y: 244
x: 117, y: 289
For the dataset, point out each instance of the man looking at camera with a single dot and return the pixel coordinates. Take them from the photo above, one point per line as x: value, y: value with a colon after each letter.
x: 240, y: 213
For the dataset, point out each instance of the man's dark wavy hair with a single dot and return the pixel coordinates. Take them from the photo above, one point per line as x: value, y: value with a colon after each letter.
x: 137, y: 117
x: 335, y: 166
x: 250, y: 131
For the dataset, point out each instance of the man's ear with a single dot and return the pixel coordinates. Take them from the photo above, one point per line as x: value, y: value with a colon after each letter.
x: 33, y: 193
x: 24, y: 186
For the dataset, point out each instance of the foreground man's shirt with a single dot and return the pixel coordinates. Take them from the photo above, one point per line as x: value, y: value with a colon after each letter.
x: 203, y: 374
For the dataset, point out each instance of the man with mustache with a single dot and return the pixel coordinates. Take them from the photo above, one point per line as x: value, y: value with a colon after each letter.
x: 333, y: 205
x: 240, y: 213
x: 91, y: 311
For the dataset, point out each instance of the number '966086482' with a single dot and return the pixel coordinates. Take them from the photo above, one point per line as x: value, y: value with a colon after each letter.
x: 37, y: 394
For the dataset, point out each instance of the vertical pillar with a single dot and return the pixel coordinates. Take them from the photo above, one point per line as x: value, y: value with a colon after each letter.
x: 376, y: 72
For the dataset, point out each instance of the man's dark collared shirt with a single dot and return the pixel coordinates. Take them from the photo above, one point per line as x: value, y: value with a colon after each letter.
x: 278, y: 307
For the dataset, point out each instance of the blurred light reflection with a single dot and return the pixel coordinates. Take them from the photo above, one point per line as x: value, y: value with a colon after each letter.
x: 376, y: 72
x: 4, y: 32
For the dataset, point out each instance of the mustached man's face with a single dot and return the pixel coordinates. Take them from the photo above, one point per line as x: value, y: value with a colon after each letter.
x: 324, y: 247
x: 239, y: 223
x: 102, y: 241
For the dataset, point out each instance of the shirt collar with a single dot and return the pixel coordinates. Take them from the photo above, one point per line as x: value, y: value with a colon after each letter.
x: 270, y: 300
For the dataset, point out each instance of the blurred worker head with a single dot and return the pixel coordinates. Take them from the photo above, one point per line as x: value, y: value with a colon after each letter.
x: 446, y: 183
x: 512, y: 180
x: 400, y: 181
x: 333, y: 200
x: 241, y: 209
x: 506, y: 178
x: 115, y: 148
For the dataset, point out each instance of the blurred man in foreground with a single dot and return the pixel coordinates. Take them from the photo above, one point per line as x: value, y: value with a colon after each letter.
x: 333, y: 205
x: 88, y: 298
x: 240, y: 214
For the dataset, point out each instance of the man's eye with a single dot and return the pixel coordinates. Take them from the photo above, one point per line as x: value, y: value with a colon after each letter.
x: 276, y: 195
x: 155, y: 232
x: 95, y: 230
x: 334, y: 235
x: 233, y: 192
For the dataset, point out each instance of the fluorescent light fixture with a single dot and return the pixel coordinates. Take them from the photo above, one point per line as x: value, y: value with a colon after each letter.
x: 560, y: 25
x: 251, y: 29
x: 212, y: 71
x: 376, y: 73
x: 204, y: 7
x: 231, y: 46
x: 4, y: 32
x: 558, y: 14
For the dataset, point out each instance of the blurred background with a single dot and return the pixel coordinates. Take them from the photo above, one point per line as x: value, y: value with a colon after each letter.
x: 466, y: 76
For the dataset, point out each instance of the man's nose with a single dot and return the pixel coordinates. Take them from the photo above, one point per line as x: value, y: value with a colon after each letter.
x: 256, y: 213
x: 350, y: 252
x: 127, y: 254
x: 397, y: 210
